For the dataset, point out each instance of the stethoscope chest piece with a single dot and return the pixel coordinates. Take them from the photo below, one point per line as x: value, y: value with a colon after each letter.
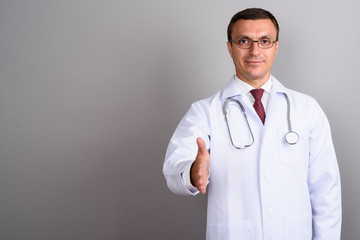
x: 291, y: 137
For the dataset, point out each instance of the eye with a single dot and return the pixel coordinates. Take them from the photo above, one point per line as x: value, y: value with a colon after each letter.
x: 244, y: 41
x: 265, y: 41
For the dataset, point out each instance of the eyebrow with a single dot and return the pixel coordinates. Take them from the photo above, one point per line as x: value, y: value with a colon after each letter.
x: 244, y: 36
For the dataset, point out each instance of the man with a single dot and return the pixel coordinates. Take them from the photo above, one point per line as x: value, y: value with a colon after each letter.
x: 263, y: 183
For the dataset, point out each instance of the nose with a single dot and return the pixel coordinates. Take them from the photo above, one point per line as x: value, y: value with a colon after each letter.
x: 254, y: 49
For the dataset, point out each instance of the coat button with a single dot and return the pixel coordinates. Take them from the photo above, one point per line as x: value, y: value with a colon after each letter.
x: 267, y: 176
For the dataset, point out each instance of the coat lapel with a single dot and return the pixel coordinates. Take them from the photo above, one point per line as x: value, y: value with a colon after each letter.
x: 276, y: 105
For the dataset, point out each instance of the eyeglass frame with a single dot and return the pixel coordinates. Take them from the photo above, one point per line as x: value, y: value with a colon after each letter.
x: 252, y: 42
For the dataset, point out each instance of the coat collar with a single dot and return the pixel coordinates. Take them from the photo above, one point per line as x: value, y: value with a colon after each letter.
x: 232, y: 89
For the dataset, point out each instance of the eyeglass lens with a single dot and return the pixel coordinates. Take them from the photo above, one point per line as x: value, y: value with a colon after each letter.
x: 264, y: 42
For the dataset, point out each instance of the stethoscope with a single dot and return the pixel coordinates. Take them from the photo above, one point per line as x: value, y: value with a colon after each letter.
x: 291, y: 137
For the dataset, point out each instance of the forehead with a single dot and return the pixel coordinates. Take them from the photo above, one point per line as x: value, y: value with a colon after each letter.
x: 254, y: 28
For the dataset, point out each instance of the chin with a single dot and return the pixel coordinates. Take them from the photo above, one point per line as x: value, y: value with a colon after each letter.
x: 255, y: 77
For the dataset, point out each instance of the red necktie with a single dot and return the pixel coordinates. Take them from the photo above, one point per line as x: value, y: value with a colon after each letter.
x: 259, y: 108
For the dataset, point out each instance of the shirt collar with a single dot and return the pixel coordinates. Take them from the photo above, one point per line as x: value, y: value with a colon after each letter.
x: 245, y: 88
x: 232, y: 88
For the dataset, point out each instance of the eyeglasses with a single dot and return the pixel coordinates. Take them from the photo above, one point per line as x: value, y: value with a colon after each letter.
x: 246, y: 43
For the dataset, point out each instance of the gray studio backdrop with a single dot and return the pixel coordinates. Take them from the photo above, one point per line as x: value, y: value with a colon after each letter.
x: 91, y: 91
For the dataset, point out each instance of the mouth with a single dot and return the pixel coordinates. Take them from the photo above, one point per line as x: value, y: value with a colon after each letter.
x: 254, y: 62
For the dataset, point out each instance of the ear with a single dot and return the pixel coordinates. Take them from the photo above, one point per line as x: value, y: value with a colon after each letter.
x: 277, y: 46
x: 229, y: 45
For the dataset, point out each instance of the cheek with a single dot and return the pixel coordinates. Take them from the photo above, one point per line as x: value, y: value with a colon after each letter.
x: 238, y: 56
x: 272, y: 58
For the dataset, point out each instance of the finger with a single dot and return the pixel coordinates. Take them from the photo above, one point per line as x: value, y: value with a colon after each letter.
x: 202, y: 188
x: 200, y: 179
x: 202, y: 174
x: 201, y: 146
x: 201, y: 183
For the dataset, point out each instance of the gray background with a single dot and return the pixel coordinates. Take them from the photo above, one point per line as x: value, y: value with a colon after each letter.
x: 91, y: 91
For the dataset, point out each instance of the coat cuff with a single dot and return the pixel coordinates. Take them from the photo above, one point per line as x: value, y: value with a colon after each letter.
x: 185, y: 175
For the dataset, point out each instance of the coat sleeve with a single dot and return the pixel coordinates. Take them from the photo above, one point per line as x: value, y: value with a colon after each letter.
x: 324, y: 180
x: 182, y: 148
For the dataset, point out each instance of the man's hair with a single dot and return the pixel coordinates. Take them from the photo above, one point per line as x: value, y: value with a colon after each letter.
x: 252, y: 14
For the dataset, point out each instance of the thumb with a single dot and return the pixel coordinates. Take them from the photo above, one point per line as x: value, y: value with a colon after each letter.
x: 201, y: 146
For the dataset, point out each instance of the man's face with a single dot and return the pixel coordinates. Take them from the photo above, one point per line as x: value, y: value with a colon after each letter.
x: 253, y: 65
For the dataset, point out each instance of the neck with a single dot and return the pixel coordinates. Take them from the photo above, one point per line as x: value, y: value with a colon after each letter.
x: 255, y: 83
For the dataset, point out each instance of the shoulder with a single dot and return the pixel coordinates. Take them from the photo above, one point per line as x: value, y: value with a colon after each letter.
x: 304, y: 100
x: 296, y: 97
x: 230, y: 89
x: 307, y: 108
x: 301, y: 103
x: 213, y: 101
x: 302, y: 97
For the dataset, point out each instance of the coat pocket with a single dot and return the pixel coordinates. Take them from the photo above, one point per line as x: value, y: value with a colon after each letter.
x: 241, y: 229
x: 298, y: 228
x: 293, y: 155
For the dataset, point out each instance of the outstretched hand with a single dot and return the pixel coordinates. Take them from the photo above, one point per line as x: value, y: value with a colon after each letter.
x: 201, y: 167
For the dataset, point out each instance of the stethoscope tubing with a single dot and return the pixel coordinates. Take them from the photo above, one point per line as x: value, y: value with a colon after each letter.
x: 291, y: 137
x: 228, y: 126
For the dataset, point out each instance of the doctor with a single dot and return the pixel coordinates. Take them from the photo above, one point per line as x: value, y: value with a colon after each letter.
x: 261, y: 186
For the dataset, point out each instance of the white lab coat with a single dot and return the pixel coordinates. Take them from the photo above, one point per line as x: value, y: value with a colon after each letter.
x: 270, y: 190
